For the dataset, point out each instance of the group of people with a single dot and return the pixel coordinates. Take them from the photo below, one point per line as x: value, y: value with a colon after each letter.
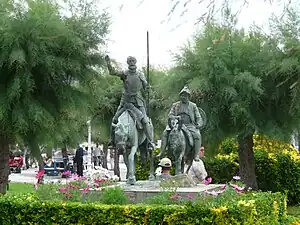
x: 97, y: 153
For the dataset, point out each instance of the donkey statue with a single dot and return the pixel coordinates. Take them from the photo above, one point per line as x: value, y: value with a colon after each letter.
x: 178, y: 145
x: 129, y: 139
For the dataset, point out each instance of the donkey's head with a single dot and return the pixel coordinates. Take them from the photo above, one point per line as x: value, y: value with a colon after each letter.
x: 176, y: 137
x: 175, y: 122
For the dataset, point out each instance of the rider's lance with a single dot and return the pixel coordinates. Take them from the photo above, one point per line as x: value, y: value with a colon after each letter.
x: 148, y: 75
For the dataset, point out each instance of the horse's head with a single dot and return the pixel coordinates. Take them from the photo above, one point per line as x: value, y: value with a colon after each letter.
x: 121, y: 135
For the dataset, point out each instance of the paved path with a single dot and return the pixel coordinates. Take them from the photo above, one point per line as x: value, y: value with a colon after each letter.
x: 28, y: 176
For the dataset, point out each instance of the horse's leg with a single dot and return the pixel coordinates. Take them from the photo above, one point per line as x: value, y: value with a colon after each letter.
x: 125, y: 156
x: 151, y: 161
x: 143, y: 155
x: 131, y: 166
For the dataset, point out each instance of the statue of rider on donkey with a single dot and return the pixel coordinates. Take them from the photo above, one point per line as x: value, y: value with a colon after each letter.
x: 182, y: 135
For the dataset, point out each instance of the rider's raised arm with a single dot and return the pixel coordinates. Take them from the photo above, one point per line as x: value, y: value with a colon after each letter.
x: 112, y: 71
x: 198, y: 118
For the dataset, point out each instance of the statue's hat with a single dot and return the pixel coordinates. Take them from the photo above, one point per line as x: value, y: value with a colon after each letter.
x: 185, y: 90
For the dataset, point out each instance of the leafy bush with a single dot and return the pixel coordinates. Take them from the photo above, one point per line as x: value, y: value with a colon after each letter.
x: 114, y: 196
x: 278, y: 172
x: 143, y: 171
x: 256, y: 208
x: 261, y: 142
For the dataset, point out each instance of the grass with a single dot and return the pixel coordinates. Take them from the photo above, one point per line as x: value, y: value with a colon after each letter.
x: 20, y: 188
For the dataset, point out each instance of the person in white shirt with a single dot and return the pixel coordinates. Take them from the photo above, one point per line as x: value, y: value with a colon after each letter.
x: 197, y: 170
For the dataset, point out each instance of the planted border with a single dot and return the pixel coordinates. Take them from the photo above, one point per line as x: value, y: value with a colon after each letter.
x: 252, y: 208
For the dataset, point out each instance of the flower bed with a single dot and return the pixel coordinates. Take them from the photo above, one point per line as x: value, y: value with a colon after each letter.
x: 251, y: 208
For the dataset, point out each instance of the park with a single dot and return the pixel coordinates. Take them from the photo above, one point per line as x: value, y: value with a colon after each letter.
x: 87, y: 138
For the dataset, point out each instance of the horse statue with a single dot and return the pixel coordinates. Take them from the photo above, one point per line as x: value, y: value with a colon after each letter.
x: 179, y: 144
x: 129, y: 139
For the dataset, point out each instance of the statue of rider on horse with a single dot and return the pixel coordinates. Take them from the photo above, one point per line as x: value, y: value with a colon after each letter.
x: 132, y: 129
x: 182, y: 134
x: 132, y: 98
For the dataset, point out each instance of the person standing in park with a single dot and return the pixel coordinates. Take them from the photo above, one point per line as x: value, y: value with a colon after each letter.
x: 78, y: 159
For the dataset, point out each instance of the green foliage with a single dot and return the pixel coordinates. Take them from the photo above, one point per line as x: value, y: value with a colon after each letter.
x: 278, y: 172
x: 114, y: 196
x: 242, y: 79
x: 259, y: 208
x: 143, y: 171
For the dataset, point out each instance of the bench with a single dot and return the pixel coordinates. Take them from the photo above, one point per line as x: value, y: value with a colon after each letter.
x: 53, y: 171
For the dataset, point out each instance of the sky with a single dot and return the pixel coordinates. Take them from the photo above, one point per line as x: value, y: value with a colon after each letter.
x: 131, y: 22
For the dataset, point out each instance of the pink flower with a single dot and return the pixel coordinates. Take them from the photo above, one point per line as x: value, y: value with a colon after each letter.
x: 85, y: 190
x: 175, y: 197
x: 63, y: 190
x: 100, y: 180
x: 237, y: 188
x: 213, y: 193
x: 68, y: 195
x: 207, y: 181
x: 75, y: 177
x: 190, y: 196
x: 66, y: 173
x: 40, y: 174
x: 223, y: 187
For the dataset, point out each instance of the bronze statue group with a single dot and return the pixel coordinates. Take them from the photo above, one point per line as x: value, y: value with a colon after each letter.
x: 132, y: 129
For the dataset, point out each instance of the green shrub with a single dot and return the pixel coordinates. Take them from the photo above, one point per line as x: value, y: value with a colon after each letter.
x: 251, y: 209
x: 114, y: 196
x: 228, y: 146
x: 276, y: 172
x: 221, y: 169
x: 143, y: 171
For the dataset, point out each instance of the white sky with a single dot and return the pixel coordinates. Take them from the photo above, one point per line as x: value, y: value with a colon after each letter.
x: 129, y: 26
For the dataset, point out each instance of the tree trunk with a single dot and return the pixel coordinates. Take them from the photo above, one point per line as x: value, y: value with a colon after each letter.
x: 4, y: 167
x: 247, y: 161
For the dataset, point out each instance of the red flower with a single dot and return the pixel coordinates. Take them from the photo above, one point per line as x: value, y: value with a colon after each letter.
x: 175, y: 197
x: 85, y: 190
x: 40, y: 174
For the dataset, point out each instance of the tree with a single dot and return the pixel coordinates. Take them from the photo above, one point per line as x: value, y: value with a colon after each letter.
x: 47, y: 67
x: 235, y: 77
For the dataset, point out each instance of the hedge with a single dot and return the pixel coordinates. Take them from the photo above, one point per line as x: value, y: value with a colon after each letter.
x: 251, y: 209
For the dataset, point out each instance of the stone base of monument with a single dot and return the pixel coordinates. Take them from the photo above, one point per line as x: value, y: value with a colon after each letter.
x: 182, y: 184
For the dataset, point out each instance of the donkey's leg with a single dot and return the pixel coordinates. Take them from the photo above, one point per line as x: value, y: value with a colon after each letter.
x: 131, y: 178
x: 177, y: 163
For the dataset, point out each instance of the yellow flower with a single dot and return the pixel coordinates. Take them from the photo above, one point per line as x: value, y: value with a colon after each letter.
x: 219, y: 210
